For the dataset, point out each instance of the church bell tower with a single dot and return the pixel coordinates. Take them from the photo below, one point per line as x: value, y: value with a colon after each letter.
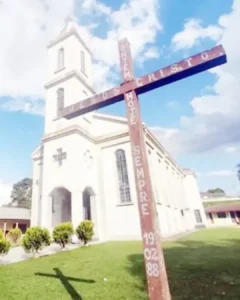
x: 69, y: 77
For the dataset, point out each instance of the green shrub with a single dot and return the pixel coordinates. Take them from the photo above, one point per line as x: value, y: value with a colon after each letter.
x: 4, y: 246
x: 1, y: 233
x: 46, y: 237
x: 35, y: 239
x: 85, y: 231
x: 14, y: 235
x: 62, y: 233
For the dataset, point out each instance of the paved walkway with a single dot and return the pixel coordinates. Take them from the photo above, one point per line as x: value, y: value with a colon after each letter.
x: 17, y: 254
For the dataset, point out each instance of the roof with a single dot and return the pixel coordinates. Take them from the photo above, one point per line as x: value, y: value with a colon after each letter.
x: 189, y: 172
x: 220, y: 199
x: 223, y: 208
x: 14, y: 213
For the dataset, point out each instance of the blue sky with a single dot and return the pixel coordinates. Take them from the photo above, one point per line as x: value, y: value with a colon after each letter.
x: 196, y: 118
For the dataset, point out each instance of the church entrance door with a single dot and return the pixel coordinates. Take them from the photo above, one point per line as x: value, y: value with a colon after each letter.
x: 61, y: 206
x: 87, y: 212
x: 89, y: 206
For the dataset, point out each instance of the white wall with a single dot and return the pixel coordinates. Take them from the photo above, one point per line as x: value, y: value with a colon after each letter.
x: 72, y: 59
x: 37, y: 185
x: 76, y: 84
x: 169, y: 196
x: 122, y: 220
x: 104, y: 126
x: 193, y: 198
x: 73, y: 174
x: 177, y: 196
x: 228, y: 221
x: 35, y: 194
x: 73, y: 92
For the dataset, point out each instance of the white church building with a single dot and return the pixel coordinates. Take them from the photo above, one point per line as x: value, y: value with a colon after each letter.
x: 83, y: 168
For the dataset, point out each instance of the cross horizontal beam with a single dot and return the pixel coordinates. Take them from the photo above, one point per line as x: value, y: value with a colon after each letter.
x: 185, y: 68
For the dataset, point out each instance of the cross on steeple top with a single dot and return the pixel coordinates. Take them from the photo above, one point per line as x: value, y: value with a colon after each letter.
x: 70, y: 19
x: 60, y: 156
x: 70, y: 22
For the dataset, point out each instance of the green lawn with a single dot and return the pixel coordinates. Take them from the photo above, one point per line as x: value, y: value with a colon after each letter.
x: 204, y: 265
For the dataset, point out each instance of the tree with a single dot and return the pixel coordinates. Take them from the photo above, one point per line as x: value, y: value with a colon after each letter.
x: 22, y: 193
x: 35, y: 239
x: 15, y: 235
x: 62, y: 233
x: 4, y: 246
x: 216, y: 191
x: 85, y: 231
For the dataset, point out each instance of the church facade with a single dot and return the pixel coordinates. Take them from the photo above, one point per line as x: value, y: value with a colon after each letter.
x: 83, y: 168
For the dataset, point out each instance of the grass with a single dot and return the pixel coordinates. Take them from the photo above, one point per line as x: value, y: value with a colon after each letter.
x: 204, y: 265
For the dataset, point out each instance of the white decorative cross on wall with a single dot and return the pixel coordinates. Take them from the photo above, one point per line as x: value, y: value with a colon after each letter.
x: 88, y: 159
x: 60, y: 156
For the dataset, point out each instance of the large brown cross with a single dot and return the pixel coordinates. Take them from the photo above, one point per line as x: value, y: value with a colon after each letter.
x: 129, y: 90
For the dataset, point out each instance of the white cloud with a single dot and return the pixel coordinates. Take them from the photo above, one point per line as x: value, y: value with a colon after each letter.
x: 193, y: 33
x: 172, y: 104
x: 93, y: 6
x: 218, y: 173
x: 27, y: 29
x: 5, y: 192
x: 136, y: 20
x: 152, y: 53
x: 27, y: 104
x: 231, y: 149
x: 168, y: 138
x: 216, y: 115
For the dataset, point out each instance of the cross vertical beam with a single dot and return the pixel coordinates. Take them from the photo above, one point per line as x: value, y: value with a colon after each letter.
x: 157, y: 281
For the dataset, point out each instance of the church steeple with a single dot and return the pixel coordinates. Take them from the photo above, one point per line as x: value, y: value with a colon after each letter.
x: 69, y: 77
x: 71, y: 27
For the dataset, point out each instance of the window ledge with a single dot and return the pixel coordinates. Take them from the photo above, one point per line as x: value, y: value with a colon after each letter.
x: 125, y: 204
x: 59, y: 70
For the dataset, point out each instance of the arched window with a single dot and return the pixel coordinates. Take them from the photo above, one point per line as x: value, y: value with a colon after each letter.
x: 60, y: 59
x: 60, y: 101
x: 123, y: 182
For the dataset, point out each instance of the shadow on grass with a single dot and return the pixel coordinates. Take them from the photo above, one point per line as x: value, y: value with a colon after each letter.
x: 197, y: 270
x: 66, y: 282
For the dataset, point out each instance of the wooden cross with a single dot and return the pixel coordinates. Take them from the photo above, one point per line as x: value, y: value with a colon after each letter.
x: 129, y: 90
x: 60, y: 156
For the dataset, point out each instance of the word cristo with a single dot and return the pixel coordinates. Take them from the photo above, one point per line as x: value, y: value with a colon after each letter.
x: 147, y: 82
